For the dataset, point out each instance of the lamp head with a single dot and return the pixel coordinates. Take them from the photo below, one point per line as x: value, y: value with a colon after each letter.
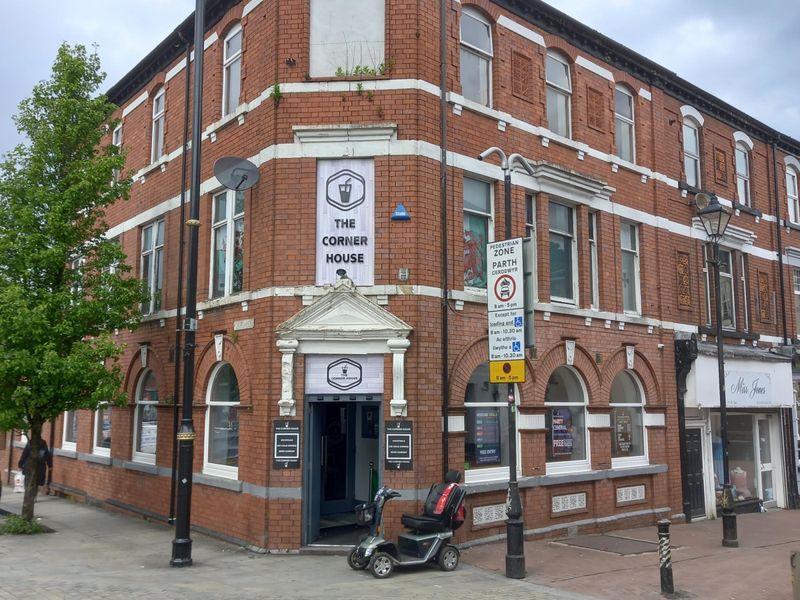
x: 713, y: 216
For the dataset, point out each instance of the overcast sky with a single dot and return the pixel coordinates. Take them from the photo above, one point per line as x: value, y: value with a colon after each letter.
x: 746, y: 53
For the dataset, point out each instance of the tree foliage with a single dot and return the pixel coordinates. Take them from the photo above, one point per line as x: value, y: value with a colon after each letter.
x: 64, y: 286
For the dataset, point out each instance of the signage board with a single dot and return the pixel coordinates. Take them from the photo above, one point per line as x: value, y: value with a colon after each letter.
x: 286, y: 445
x: 748, y: 389
x: 507, y: 371
x: 507, y: 335
x: 399, y: 443
x: 506, y: 303
x: 505, y: 274
x: 336, y: 373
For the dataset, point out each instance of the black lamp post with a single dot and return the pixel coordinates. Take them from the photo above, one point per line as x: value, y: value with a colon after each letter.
x: 515, y: 549
x: 715, y: 219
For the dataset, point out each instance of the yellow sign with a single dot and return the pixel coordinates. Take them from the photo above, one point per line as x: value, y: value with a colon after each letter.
x: 507, y: 371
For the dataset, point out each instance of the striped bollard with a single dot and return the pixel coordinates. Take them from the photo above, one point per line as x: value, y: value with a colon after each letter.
x: 665, y: 557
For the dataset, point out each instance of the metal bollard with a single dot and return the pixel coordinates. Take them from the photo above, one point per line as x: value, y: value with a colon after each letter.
x: 665, y: 557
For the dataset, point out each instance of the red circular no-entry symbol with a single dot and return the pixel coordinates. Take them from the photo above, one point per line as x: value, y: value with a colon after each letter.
x: 504, y: 288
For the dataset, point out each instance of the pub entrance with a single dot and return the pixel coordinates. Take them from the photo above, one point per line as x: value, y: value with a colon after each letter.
x: 341, y: 466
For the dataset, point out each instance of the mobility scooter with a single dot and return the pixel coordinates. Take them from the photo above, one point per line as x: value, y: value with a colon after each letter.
x: 427, y: 540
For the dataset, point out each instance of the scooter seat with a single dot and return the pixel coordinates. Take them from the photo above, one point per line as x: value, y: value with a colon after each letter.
x: 424, y: 524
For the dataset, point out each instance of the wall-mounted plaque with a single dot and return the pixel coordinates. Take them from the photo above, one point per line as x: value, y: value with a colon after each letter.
x: 286, y: 445
x: 399, y: 442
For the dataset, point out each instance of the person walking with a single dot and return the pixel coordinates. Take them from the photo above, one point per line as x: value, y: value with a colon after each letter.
x: 45, y: 461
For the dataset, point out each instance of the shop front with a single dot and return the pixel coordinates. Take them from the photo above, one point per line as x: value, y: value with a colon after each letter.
x: 758, y: 391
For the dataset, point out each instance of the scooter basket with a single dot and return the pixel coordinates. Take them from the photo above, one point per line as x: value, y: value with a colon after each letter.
x: 365, y: 513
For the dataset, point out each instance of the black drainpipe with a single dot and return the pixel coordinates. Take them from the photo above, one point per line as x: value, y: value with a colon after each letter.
x: 685, y: 355
x: 444, y: 232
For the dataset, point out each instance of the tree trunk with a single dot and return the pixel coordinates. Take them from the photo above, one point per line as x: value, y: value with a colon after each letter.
x: 31, y: 471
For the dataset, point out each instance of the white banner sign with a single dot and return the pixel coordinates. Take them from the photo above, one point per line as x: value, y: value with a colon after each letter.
x: 748, y: 390
x: 346, y: 220
x: 340, y: 374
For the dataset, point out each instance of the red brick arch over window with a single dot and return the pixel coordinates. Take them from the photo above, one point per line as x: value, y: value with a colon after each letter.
x: 205, y: 367
x: 583, y: 363
x: 641, y: 367
x: 135, y: 371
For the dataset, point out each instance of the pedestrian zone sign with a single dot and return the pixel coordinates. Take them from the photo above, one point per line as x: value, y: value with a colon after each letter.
x: 506, y: 304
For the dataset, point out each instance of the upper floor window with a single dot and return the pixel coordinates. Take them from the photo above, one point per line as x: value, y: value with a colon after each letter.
x: 227, y: 244
x: 157, y: 142
x: 145, y: 419
x: 594, y: 276
x: 623, y: 122
x: 477, y: 231
x: 566, y: 435
x: 559, y: 94
x: 346, y: 37
x: 232, y: 70
x: 222, y: 423
x: 476, y: 57
x: 743, y: 174
x: 726, y: 289
x: 116, y: 139
x: 152, y: 265
x: 792, y: 195
x: 628, y: 439
x: 69, y: 439
x: 629, y: 243
x: 691, y: 152
x: 563, y: 254
x: 796, y: 289
x: 102, y: 430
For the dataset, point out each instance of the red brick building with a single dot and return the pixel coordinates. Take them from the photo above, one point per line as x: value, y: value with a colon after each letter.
x: 302, y: 373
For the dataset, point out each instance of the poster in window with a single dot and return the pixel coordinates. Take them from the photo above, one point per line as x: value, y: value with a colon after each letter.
x: 623, y: 431
x: 562, y: 432
x: 475, y: 251
x: 487, y: 436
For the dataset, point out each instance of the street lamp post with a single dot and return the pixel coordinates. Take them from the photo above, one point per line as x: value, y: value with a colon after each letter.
x: 715, y: 219
x: 515, y: 549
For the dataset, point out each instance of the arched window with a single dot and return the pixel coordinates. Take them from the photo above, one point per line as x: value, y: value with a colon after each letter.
x: 157, y: 142
x: 559, y: 94
x: 623, y: 122
x: 232, y: 70
x: 628, y: 439
x: 486, y: 447
x: 565, y: 422
x: 145, y: 420
x: 743, y: 174
x: 792, y: 195
x: 222, y: 424
x: 691, y: 152
x: 476, y: 57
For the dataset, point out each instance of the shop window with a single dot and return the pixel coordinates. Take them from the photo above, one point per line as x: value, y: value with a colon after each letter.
x: 691, y: 152
x: 629, y: 244
x: 749, y: 457
x: 792, y: 195
x: 628, y: 439
x: 222, y: 424
x: 145, y: 419
x: 346, y: 37
x: 563, y: 254
x: 227, y: 239
x: 594, y: 274
x: 743, y: 174
x: 102, y: 431
x: 157, y: 141
x: 476, y: 57
x: 559, y: 94
x: 486, y: 445
x: 477, y: 231
x: 565, y: 422
x: 152, y: 265
x: 232, y: 70
x: 623, y: 121
x: 70, y: 435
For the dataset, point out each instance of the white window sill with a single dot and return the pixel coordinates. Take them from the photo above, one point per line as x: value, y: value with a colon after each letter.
x: 161, y: 163
x: 568, y: 468
x: 145, y: 459
x: 225, y: 482
x: 629, y: 463
x: 237, y: 115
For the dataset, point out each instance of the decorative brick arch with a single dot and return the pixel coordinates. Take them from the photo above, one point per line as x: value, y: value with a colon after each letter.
x: 232, y: 355
x: 469, y: 359
x: 135, y: 371
x: 583, y: 363
x: 489, y: 10
x: 641, y: 367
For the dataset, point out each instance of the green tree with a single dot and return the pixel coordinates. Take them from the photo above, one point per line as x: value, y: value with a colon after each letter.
x: 64, y: 286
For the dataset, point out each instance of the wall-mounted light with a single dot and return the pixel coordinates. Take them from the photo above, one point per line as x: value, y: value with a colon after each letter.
x: 400, y: 213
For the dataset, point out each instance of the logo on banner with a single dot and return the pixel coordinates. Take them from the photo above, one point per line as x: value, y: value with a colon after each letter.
x: 344, y: 374
x: 345, y: 189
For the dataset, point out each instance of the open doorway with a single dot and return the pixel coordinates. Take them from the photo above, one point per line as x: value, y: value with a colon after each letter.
x: 341, y: 467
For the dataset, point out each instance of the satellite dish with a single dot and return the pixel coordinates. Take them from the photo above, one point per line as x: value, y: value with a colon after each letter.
x: 701, y: 200
x: 236, y: 173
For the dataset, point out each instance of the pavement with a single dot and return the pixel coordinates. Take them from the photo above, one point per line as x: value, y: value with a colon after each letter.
x: 102, y: 554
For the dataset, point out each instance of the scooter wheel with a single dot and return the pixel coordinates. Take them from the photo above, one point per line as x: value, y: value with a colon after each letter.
x: 353, y: 561
x: 381, y: 565
x: 448, y: 558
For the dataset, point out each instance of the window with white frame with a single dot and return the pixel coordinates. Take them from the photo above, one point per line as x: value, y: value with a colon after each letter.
x: 532, y: 251
x: 227, y: 244
x: 346, y: 37
x: 707, y: 287
x: 102, y: 430
x: 726, y: 289
x: 623, y: 121
x: 486, y: 443
x: 69, y: 440
x: 743, y: 281
x: 792, y: 195
x: 477, y: 231
x: 152, y: 265
x: 594, y: 276
x: 743, y: 174
x: 566, y: 436
x: 116, y: 140
x: 796, y: 280
x: 559, y: 94
x: 629, y: 245
x: 563, y: 254
x: 145, y: 420
x: 157, y: 141
x: 628, y: 439
x: 476, y: 57
x: 222, y: 424
x: 232, y: 70
x: 691, y: 152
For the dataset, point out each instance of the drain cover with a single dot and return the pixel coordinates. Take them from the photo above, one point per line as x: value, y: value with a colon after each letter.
x: 611, y: 543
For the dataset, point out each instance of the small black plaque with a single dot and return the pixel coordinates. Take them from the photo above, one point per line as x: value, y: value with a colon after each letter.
x: 399, y: 442
x: 286, y: 445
